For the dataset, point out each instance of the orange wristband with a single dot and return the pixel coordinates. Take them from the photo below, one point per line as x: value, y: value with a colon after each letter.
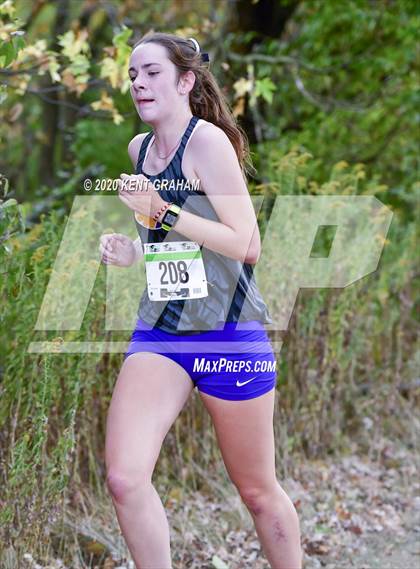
x: 162, y: 209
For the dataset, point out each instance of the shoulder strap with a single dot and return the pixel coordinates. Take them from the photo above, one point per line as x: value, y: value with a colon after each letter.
x: 142, y: 153
x: 187, y: 134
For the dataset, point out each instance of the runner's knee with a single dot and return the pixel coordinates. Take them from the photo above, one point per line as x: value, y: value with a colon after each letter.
x: 257, y: 498
x: 122, y: 484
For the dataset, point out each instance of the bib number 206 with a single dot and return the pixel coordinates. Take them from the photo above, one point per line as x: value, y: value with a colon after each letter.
x: 176, y: 272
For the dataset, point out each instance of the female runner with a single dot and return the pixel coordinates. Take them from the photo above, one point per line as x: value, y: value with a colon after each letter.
x: 194, y: 136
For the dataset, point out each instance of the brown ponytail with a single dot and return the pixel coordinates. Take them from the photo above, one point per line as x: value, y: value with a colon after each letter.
x: 206, y: 99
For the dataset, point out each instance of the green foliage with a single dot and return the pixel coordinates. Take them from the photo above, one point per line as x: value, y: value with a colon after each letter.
x: 12, y: 40
x: 348, y: 351
x: 39, y: 392
x: 10, y: 49
x: 11, y: 219
x: 264, y: 88
x: 92, y: 147
x: 77, y: 51
x: 346, y: 88
x: 333, y: 107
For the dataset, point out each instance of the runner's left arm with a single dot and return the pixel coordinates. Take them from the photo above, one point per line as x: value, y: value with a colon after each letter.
x: 236, y: 235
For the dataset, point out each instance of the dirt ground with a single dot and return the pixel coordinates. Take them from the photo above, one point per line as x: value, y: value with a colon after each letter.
x: 354, y: 512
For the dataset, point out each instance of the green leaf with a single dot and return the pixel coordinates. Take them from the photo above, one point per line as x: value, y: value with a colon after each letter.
x: 219, y: 563
x: 10, y: 202
x: 18, y: 40
x: 120, y: 39
x: 123, y: 49
x: 8, y: 52
x: 264, y: 88
x: 7, y: 248
x: 4, y: 185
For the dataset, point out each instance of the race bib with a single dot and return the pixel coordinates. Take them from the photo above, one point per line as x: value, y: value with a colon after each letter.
x: 175, y: 270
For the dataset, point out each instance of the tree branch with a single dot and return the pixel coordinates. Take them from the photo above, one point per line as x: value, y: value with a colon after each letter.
x: 284, y: 59
x: 326, y: 104
x: 83, y: 110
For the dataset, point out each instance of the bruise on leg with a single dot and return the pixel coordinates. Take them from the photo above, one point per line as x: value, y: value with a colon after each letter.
x: 255, y: 507
x: 279, y: 533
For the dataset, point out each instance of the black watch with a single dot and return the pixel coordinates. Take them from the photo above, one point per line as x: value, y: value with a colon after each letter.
x: 170, y: 217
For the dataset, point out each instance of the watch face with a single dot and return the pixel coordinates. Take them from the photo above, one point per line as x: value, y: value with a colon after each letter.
x: 170, y: 218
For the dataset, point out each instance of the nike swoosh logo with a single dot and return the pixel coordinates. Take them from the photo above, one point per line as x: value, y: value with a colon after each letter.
x: 244, y: 382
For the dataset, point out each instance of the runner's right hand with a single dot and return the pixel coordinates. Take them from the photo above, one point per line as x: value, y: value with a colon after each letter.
x: 117, y: 249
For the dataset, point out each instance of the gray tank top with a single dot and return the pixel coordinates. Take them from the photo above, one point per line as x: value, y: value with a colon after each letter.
x: 232, y: 292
